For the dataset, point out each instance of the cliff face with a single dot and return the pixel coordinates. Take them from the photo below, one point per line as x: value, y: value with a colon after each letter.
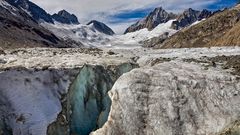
x: 186, y: 100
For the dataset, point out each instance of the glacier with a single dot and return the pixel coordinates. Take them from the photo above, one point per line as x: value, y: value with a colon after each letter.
x: 69, y: 91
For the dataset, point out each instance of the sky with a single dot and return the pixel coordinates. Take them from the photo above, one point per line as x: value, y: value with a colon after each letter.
x: 119, y: 14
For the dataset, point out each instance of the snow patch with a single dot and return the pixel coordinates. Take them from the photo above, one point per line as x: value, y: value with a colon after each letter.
x: 85, y: 34
x: 133, y: 38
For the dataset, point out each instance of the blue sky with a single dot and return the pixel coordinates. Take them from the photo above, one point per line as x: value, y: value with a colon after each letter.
x: 221, y: 4
x: 119, y: 14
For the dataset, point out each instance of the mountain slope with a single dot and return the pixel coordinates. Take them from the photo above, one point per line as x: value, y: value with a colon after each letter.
x: 210, y: 32
x: 231, y: 38
x: 18, y: 29
x: 32, y: 9
x: 136, y: 38
x: 84, y: 34
x: 156, y: 17
x: 35, y: 27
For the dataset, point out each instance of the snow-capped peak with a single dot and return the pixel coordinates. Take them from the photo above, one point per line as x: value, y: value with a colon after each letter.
x: 65, y: 17
x: 101, y: 27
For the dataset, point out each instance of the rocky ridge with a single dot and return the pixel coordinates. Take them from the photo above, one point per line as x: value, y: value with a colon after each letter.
x: 159, y: 16
x: 218, y: 30
x: 190, y: 16
x: 156, y: 17
x: 36, y: 12
x: 25, y: 24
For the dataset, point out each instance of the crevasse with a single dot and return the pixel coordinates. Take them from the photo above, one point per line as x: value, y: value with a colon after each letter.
x: 87, y: 104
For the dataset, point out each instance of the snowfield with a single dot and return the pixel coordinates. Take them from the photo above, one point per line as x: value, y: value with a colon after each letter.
x: 85, y: 34
x: 134, y: 38
x: 90, y: 37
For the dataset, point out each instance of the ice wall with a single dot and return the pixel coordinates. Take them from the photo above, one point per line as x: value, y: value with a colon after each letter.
x: 31, y: 99
x: 174, y: 98
x: 87, y: 103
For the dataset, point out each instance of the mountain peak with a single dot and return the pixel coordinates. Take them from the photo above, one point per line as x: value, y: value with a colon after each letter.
x: 158, y: 9
x: 156, y: 17
x: 65, y: 17
x: 189, y: 9
x: 101, y: 27
x: 64, y: 13
x: 190, y: 16
x: 36, y: 12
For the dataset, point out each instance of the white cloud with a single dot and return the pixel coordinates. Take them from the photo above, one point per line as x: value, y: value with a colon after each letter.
x: 87, y: 10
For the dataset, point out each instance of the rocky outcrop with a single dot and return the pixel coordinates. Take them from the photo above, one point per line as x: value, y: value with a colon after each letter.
x: 209, y: 32
x: 233, y: 129
x: 101, y: 27
x: 190, y: 16
x: 65, y: 17
x: 173, y: 99
x: 204, y: 14
x: 2, y: 51
x: 156, y: 17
